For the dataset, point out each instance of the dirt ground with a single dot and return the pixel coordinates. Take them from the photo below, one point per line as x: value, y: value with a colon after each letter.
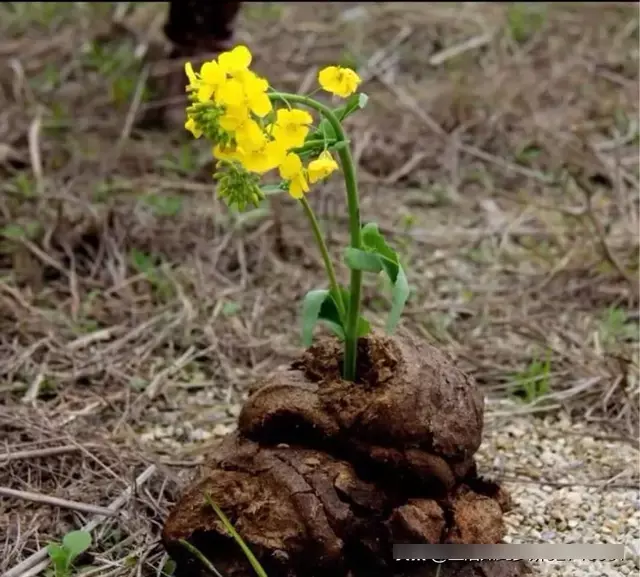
x: 499, y: 147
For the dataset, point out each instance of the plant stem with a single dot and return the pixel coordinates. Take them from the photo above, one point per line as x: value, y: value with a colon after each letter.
x: 196, y: 553
x: 328, y: 265
x: 351, y: 185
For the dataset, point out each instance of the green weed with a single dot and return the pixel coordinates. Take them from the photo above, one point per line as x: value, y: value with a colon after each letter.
x: 615, y: 327
x: 147, y: 265
x: 64, y: 555
x: 533, y: 382
x: 524, y: 20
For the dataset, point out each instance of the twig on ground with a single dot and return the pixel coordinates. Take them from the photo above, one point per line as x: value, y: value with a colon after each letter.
x: 378, y: 62
x: 453, y: 51
x: 34, y: 152
x: 55, y: 501
x: 191, y: 353
x: 38, y: 453
x: 34, y: 389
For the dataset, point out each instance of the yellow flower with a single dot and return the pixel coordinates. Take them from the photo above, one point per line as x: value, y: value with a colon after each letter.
x: 255, y: 90
x: 291, y: 127
x: 191, y: 75
x: 246, y: 131
x: 233, y: 118
x: 211, y: 79
x: 235, y: 60
x: 191, y: 126
x: 249, y: 135
x: 263, y: 159
x: 248, y: 91
x: 292, y: 170
x: 321, y: 167
x: 340, y: 81
x: 227, y: 152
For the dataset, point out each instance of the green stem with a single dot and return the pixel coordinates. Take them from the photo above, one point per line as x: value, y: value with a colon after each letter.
x: 349, y: 171
x: 198, y: 555
x: 328, y: 265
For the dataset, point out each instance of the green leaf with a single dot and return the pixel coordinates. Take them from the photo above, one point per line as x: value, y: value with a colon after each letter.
x: 374, y: 242
x: 324, y: 132
x: 311, y: 306
x: 364, y: 327
x: 59, y: 557
x: 357, y: 259
x: 141, y: 261
x: 230, y: 308
x: 13, y: 231
x: 239, y: 540
x: 356, y: 102
x: 330, y: 316
x: 320, y: 305
x: 344, y: 294
x: 399, y: 297
x: 76, y: 542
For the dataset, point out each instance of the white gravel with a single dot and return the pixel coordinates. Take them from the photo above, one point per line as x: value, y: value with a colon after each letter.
x: 570, y: 484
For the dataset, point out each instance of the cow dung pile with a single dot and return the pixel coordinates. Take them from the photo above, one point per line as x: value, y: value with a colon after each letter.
x: 323, y: 476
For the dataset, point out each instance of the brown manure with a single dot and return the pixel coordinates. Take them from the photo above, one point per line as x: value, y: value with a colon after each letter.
x: 324, y: 475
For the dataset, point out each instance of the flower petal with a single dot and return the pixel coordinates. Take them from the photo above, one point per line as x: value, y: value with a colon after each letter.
x: 235, y: 60
x: 291, y: 166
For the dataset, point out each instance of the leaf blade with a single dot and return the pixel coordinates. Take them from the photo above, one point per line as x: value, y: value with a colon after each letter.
x: 320, y: 306
x: 399, y: 297
x: 311, y: 306
x: 364, y: 327
x: 375, y: 243
x: 76, y: 542
x: 363, y: 260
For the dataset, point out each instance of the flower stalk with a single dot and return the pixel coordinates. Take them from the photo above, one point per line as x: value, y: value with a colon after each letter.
x: 353, y: 206
x: 237, y: 112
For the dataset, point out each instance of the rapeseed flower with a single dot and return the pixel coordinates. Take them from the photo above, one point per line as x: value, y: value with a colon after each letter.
x: 227, y: 152
x: 192, y: 127
x: 211, y: 78
x: 321, y: 167
x: 291, y: 127
x: 246, y: 131
x: 247, y: 91
x: 235, y: 61
x: 292, y: 170
x: 261, y: 159
x: 191, y: 76
x: 340, y: 81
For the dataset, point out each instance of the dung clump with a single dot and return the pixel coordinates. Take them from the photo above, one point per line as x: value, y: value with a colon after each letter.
x: 323, y: 476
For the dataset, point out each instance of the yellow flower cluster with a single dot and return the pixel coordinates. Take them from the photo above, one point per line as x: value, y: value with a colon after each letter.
x: 257, y: 137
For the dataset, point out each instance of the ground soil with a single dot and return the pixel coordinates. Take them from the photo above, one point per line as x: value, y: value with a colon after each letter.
x: 499, y: 154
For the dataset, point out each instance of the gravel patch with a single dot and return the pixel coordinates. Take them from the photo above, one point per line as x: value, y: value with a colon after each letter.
x: 570, y: 484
